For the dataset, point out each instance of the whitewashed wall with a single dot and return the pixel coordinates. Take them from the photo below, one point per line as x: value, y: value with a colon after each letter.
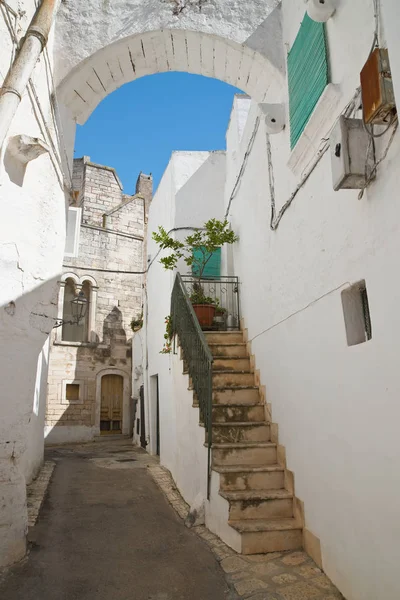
x: 32, y: 232
x: 190, y: 192
x: 337, y: 406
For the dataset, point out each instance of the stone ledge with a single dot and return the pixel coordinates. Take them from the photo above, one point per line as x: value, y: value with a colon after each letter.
x: 36, y: 491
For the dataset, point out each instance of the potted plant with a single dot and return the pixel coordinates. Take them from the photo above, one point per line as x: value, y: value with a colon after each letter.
x: 203, y: 306
x: 137, y: 323
x: 196, y: 250
x: 220, y: 316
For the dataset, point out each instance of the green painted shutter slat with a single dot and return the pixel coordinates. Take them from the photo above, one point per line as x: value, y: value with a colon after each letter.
x: 308, y: 74
x: 213, y: 266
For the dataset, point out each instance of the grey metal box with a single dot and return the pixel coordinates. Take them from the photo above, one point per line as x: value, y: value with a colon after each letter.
x: 352, y: 154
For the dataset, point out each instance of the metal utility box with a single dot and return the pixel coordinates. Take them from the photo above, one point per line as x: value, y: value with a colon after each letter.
x: 377, y: 88
x: 352, y: 155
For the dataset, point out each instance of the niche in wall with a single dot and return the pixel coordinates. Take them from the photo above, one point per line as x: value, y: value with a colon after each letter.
x: 357, y: 318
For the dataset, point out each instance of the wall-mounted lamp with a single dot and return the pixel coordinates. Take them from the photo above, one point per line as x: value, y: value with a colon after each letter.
x: 79, y: 306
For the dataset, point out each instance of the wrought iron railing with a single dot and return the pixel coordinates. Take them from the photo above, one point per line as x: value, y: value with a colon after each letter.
x: 224, y: 292
x: 196, y: 355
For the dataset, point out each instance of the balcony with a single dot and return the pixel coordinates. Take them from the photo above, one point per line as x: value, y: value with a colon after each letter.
x: 215, y: 301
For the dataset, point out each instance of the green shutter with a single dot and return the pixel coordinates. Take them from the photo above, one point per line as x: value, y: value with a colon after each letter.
x: 213, y: 266
x: 307, y: 74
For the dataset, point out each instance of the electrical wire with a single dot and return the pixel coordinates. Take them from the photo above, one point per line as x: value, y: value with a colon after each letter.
x: 244, y: 164
x: 276, y: 218
x: 86, y: 268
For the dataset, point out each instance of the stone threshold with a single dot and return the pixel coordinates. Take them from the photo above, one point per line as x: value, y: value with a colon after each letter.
x: 290, y: 575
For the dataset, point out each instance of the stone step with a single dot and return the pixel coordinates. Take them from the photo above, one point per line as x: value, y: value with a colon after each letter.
x: 223, y: 363
x: 246, y: 431
x: 260, y: 536
x: 244, y: 453
x: 259, y: 504
x: 234, y: 350
x: 237, y: 395
x: 252, y: 477
x: 233, y: 413
x: 224, y: 337
x: 232, y: 378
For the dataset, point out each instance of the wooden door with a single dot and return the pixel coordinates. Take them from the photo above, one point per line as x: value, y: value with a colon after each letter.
x: 112, y: 387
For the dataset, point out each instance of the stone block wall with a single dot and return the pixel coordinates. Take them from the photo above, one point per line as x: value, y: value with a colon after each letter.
x: 106, y: 246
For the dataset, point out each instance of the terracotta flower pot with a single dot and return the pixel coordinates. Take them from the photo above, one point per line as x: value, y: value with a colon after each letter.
x: 205, y: 314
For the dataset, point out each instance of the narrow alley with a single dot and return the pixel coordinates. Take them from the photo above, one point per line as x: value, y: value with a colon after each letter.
x: 107, y: 531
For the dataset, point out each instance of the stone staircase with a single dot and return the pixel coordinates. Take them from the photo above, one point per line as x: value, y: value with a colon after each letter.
x: 261, y: 509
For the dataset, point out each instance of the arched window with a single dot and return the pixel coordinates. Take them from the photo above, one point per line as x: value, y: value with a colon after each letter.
x: 72, y: 331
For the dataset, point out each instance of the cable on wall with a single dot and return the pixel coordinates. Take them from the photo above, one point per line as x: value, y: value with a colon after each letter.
x: 276, y: 218
x: 244, y: 164
x: 132, y: 272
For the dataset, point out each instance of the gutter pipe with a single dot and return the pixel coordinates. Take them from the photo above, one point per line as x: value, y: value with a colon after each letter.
x: 21, y: 70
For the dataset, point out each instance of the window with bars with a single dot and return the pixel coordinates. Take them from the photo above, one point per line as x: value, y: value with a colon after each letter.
x: 308, y: 74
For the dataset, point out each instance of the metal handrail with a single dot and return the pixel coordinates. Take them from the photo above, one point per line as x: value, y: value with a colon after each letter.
x: 197, y: 355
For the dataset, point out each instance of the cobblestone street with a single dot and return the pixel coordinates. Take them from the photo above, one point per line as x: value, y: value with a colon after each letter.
x: 106, y: 530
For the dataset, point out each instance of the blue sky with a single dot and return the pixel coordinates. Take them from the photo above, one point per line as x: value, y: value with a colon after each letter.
x: 138, y: 126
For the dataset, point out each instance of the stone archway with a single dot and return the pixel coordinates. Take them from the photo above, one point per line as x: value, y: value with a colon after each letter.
x: 101, y: 48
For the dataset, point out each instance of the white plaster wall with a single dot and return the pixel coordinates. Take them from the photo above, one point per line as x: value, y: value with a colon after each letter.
x: 190, y: 469
x: 32, y: 232
x: 32, y: 459
x: 190, y: 191
x: 138, y: 356
x: 336, y: 406
x: 82, y: 33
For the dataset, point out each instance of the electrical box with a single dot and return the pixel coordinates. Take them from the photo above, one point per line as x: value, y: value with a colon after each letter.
x: 352, y: 155
x: 377, y: 88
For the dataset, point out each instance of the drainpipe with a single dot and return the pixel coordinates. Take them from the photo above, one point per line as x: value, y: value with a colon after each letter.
x: 21, y: 70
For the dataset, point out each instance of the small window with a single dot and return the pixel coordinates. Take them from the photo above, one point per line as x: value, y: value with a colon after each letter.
x: 356, y: 313
x: 72, y: 392
x: 213, y: 262
x: 73, y: 230
x: 308, y: 74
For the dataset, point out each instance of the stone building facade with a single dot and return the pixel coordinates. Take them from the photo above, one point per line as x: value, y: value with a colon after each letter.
x: 89, y: 382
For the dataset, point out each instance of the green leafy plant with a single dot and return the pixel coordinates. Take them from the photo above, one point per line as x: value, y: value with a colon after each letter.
x: 167, y: 348
x: 137, y: 323
x: 204, y: 241
x: 197, y: 296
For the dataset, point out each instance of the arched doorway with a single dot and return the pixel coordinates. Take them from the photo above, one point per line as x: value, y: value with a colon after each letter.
x: 111, y: 407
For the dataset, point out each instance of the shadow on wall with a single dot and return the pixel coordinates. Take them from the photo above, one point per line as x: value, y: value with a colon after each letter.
x: 79, y: 405
x: 26, y: 321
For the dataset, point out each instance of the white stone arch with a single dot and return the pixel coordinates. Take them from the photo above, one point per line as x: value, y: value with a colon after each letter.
x: 88, y: 278
x: 70, y: 275
x: 167, y: 50
x: 83, y: 28
x: 126, y: 404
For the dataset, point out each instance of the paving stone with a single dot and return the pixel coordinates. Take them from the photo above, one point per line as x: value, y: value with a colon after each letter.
x: 233, y: 564
x: 240, y: 575
x: 295, y: 558
x: 308, y: 571
x: 247, y: 587
x: 221, y: 552
x: 265, y: 596
x: 265, y: 569
x: 264, y: 557
x: 323, y: 582
x: 284, y: 578
x: 300, y: 591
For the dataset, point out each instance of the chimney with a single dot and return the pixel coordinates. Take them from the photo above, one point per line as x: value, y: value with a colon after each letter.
x: 144, y: 186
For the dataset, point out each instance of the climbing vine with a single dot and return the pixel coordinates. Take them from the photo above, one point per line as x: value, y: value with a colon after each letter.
x: 167, y: 348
